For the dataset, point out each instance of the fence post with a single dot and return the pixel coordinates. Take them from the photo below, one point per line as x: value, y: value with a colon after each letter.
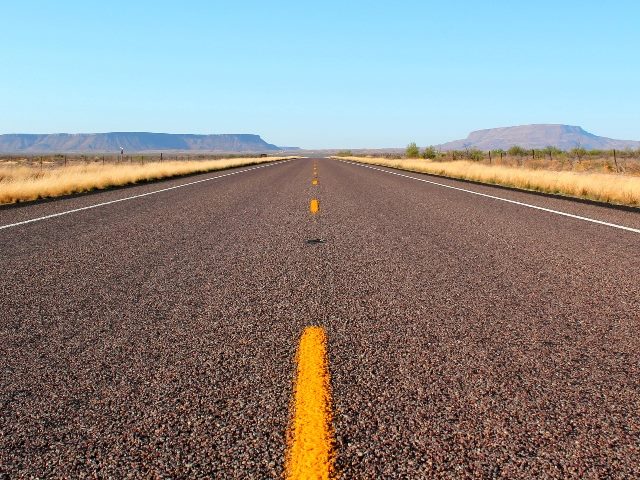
x: 489, y: 157
x: 160, y: 156
x: 615, y: 160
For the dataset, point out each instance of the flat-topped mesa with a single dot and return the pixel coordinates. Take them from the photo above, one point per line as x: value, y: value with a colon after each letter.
x: 564, y: 137
x: 132, y: 142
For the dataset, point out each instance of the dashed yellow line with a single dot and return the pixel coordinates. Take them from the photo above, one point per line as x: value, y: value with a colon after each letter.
x: 314, y: 206
x: 310, y: 440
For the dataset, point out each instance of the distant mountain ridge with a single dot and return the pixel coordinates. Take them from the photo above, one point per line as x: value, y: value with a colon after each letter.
x: 564, y: 137
x: 131, y: 142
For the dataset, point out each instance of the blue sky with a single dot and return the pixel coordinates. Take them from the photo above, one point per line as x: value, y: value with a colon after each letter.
x: 320, y: 74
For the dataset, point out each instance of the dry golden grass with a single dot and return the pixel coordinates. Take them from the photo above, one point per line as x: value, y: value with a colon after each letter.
x: 604, y: 187
x: 21, y: 184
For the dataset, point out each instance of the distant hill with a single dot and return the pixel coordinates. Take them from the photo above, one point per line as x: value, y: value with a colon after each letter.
x: 564, y: 137
x: 132, y: 142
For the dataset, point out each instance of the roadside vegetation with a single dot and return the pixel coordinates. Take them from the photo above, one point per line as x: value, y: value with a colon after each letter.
x: 606, y: 176
x: 22, y: 181
x: 344, y: 153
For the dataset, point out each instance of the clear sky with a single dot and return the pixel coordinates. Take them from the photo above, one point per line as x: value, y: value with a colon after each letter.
x: 320, y: 74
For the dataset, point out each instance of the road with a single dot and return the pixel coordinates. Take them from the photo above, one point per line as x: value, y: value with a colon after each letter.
x: 466, y: 337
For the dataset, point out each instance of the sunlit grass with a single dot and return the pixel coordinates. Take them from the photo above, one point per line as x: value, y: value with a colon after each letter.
x: 604, y: 187
x: 20, y: 184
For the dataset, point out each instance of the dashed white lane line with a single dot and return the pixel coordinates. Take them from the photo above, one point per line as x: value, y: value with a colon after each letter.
x: 522, y: 204
x: 133, y: 197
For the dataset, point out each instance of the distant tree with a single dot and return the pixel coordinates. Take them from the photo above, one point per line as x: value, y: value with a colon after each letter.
x: 475, y: 154
x: 551, y: 151
x: 458, y: 154
x: 344, y: 153
x: 412, y: 150
x: 429, y: 153
x: 578, y: 153
x: 597, y: 153
x: 517, y: 151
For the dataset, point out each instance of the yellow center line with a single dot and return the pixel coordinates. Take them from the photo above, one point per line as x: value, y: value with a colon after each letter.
x: 314, y: 181
x: 314, y: 206
x: 310, y: 440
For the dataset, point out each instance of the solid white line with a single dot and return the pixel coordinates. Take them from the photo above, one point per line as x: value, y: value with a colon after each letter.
x: 67, y: 212
x: 557, y: 212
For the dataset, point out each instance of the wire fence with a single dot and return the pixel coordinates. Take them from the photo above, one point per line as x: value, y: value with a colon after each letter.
x: 58, y: 160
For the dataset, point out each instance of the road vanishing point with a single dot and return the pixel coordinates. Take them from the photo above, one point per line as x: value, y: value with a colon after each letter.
x: 319, y: 319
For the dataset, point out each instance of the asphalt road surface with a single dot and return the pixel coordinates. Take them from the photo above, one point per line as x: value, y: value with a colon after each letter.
x: 467, y: 337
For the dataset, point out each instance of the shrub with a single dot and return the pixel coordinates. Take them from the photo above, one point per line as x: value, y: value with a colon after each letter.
x: 578, y: 152
x: 517, y: 151
x: 429, y: 152
x: 344, y: 153
x: 458, y: 154
x: 412, y: 150
x: 475, y: 154
x: 551, y: 151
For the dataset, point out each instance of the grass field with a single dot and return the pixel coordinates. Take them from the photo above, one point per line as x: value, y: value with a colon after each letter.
x: 27, y: 183
x: 605, y: 187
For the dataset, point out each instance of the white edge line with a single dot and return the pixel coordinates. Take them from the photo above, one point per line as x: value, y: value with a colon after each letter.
x: 557, y: 212
x: 89, y: 207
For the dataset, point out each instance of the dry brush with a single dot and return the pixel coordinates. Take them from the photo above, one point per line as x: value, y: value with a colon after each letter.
x: 603, y: 187
x: 22, y: 183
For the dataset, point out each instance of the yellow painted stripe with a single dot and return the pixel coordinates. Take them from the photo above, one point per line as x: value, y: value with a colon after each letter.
x: 314, y: 206
x: 314, y: 181
x: 310, y: 441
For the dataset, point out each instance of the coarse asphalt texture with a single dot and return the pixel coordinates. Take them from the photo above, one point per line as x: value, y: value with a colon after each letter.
x: 467, y: 337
